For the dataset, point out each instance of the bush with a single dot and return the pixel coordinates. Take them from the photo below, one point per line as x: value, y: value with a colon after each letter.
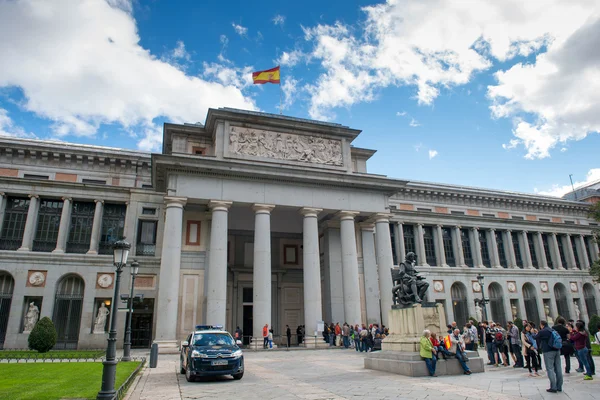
x: 594, y: 325
x: 519, y: 323
x: 43, y: 336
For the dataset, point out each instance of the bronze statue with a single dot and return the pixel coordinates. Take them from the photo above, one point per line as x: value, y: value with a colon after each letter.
x: 409, y: 287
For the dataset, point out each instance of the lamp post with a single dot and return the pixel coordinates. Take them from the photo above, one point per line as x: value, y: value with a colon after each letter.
x: 107, y: 391
x: 483, y: 300
x: 135, y: 266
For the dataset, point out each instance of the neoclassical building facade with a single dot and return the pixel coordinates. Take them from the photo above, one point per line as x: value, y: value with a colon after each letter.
x: 253, y: 219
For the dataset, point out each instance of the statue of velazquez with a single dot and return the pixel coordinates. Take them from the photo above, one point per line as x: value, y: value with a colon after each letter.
x: 409, y: 286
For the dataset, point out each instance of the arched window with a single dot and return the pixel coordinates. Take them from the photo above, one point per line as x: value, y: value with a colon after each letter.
x: 531, y: 305
x: 67, y: 311
x: 7, y: 284
x: 560, y: 294
x: 459, y: 303
x: 497, y: 304
x: 590, y: 300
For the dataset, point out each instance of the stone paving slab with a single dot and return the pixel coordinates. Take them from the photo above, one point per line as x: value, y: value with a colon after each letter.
x: 320, y: 375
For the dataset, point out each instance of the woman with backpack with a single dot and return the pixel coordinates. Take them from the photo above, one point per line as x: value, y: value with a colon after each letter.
x: 579, y: 337
x: 530, y: 350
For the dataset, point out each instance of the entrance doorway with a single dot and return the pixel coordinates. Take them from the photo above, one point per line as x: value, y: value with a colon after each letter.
x: 247, y: 327
x: 141, y: 323
x: 7, y: 284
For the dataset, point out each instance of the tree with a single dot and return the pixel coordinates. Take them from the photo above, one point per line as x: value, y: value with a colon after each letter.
x: 595, y: 267
x: 43, y: 336
x: 594, y: 324
x: 519, y: 324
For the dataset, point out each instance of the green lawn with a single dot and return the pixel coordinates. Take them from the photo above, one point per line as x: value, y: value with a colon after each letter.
x: 596, y: 349
x: 56, y: 354
x: 50, y: 381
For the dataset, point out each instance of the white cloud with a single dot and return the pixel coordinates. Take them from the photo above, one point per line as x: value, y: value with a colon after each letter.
x: 79, y: 64
x: 432, y: 154
x: 178, y: 57
x: 239, y: 29
x: 290, y: 89
x: 8, y: 127
x: 290, y: 59
x: 413, y: 123
x: 563, y: 149
x: 418, y: 146
x: 557, y: 190
x: 400, y: 113
x: 228, y: 76
x: 279, y: 20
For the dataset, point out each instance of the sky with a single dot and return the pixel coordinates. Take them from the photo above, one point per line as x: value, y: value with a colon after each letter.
x: 499, y: 94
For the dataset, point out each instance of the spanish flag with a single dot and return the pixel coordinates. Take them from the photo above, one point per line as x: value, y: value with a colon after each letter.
x: 266, y: 76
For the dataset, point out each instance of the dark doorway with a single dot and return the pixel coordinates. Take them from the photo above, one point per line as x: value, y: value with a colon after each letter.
x: 141, y: 323
x: 247, y: 324
x: 67, y: 312
x: 7, y: 284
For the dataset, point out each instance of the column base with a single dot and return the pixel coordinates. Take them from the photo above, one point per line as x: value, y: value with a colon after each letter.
x: 316, y: 342
x: 23, y: 249
x: 92, y: 252
x: 257, y: 343
x: 58, y: 251
x: 167, y: 346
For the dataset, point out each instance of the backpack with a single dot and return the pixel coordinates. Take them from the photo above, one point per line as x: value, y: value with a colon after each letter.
x: 555, y: 342
x: 499, y: 337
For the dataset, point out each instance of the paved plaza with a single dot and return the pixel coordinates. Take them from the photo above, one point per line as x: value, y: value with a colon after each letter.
x: 339, y: 374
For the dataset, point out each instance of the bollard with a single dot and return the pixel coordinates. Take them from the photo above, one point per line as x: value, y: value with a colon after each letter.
x: 153, y: 355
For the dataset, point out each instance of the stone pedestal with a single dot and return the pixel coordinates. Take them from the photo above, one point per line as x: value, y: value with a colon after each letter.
x: 407, y: 326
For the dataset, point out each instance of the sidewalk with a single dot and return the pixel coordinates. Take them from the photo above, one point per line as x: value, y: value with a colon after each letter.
x: 159, y: 383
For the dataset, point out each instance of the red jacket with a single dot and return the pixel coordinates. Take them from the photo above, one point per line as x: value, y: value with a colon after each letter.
x: 434, y: 342
x: 265, y: 331
x: 338, y: 330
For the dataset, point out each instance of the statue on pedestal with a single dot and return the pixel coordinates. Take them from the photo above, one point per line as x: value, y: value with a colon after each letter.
x: 513, y: 309
x: 31, y: 318
x: 547, y: 312
x: 478, y: 312
x: 100, y: 322
x: 577, y: 311
x: 409, y: 287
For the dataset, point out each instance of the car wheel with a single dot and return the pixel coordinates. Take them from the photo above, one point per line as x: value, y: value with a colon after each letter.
x: 188, y: 375
x: 239, y: 376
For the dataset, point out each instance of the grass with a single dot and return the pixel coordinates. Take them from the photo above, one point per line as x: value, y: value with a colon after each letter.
x: 51, y: 381
x: 55, y: 354
x: 595, y: 349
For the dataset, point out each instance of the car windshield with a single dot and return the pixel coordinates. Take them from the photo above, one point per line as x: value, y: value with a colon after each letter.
x: 213, y: 339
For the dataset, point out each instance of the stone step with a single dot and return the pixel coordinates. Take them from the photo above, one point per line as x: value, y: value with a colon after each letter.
x: 411, y: 364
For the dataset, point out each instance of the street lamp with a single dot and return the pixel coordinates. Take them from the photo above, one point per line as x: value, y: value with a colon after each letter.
x: 135, y: 266
x: 107, y: 391
x: 483, y: 300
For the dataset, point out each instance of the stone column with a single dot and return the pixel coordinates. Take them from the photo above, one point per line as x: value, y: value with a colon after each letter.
x: 525, y: 253
x: 261, y: 306
x: 400, y: 249
x: 168, y: 290
x: 457, y: 246
x: 30, y: 223
x: 216, y: 297
x: 582, y: 252
x: 568, y: 247
x: 63, y: 229
x: 96, y: 227
x: 593, y: 247
x: 555, y: 252
x: 440, y: 254
x: 313, y: 312
x: 509, y: 249
x: 385, y: 263
x: 493, y: 248
x: 350, y: 268
x: 372, y: 294
x: 420, y: 246
x: 538, y: 245
x: 476, y: 248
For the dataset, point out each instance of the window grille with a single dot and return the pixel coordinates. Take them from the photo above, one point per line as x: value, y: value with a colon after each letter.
x: 146, y: 238
x: 500, y: 245
x: 409, y: 238
x: 448, y: 249
x: 429, y: 245
x: 15, y: 215
x: 466, y: 245
x: 547, y: 251
x: 485, y: 253
x: 48, y: 224
x: 561, y: 251
x: 534, y: 260
x: 588, y: 252
x: 80, y: 232
x: 113, y: 224
x: 517, y: 247
x: 577, y: 262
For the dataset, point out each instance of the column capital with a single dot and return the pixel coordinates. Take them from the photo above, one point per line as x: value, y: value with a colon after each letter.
x: 310, y: 211
x: 492, y: 229
x: 553, y: 233
x: 525, y: 232
x: 345, y: 215
x: 219, y: 205
x: 172, y: 201
x: 33, y: 196
x: 67, y: 198
x: 474, y: 228
x: 367, y: 226
x: 581, y: 235
x: 263, y: 208
x: 458, y: 227
x: 420, y: 224
x: 439, y: 226
x: 99, y: 201
x: 2, y: 194
x: 381, y: 217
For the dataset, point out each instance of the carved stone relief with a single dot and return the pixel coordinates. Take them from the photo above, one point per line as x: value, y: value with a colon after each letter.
x: 285, y: 146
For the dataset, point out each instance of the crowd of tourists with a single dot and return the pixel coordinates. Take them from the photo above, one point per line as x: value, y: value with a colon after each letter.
x: 358, y: 337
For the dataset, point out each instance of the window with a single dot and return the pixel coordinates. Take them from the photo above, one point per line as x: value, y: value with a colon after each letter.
x: 534, y: 260
x: 429, y: 245
x: 38, y: 177
x: 544, y: 219
x: 94, y: 181
x: 488, y: 215
x: 457, y: 212
x: 409, y: 238
x: 193, y: 233
x: 80, y: 232
x: 466, y: 245
x: 148, y: 211
x: 146, y: 186
x: 569, y: 222
x: 424, y: 209
x: 500, y: 244
x: 146, y: 238
x: 13, y: 227
x: 485, y: 253
x: 48, y: 224
x: 547, y: 251
x: 517, y: 247
x: 199, y: 150
x: 586, y: 242
x: 561, y: 251
x: 290, y: 254
x: 517, y: 217
x: 113, y: 223
x: 577, y: 262
x: 448, y: 249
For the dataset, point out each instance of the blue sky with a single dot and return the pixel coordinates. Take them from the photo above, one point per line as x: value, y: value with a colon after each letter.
x: 481, y: 93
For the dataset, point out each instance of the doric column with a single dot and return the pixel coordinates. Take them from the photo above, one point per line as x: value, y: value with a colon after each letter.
x: 216, y: 297
x: 261, y: 306
x: 570, y: 255
x: 592, y: 243
x: 96, y: 227
x: 525, y: 253
x: 582, y: 252
x: 350, y: 268
x: 372, y: 294
x: 538, y: 245
x: 385, y: 263
x: 168, y: 290
x: 476, y: 248
x: 509, y: 249
x: 555, y: 252
x: 440, y: 254
x: 493, y: 248
x: 30, y: 223
x: 399, y: 242
x: 63, y: 228
x: 420, y: 246
x: 457, y: 246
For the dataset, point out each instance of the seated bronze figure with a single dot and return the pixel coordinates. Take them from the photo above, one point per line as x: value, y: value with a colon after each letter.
x: 409, y: 286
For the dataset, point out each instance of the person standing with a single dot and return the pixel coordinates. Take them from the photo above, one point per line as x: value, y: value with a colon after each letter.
x: 288, y: 333
x: 579, y: 336
x: 265, y: 333
x: 427, y: 352
x: 551, y: 357
x: 299, y: 334
x: 238, y: 333
x: 515, y: 344
x: 270, y: 338
x: 530, y: 350
x: 357, y: 344
x: 346, y: 335
x: 567, y: 347
x: 338, y: 334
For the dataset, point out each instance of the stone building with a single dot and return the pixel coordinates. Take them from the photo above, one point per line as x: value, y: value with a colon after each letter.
x: 256, y: 218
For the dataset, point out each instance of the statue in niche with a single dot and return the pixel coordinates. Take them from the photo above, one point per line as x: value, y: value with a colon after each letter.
x: 577, y: 311
x: 31, y: 318
x: 100, y: 323
x: 478, y: 312
x: 409, y: 286
x: 547, y: 312
x: 513, y: 309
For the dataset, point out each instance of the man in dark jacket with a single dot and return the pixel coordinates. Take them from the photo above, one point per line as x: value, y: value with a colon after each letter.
x: 551, y: 358
x: 288, y: 333
x: 567, y: 349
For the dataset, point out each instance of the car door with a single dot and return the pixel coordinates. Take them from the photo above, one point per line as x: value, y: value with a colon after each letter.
x: 186, y: 350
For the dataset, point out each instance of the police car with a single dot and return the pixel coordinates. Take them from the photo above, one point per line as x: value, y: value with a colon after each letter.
x: 211, y: 351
